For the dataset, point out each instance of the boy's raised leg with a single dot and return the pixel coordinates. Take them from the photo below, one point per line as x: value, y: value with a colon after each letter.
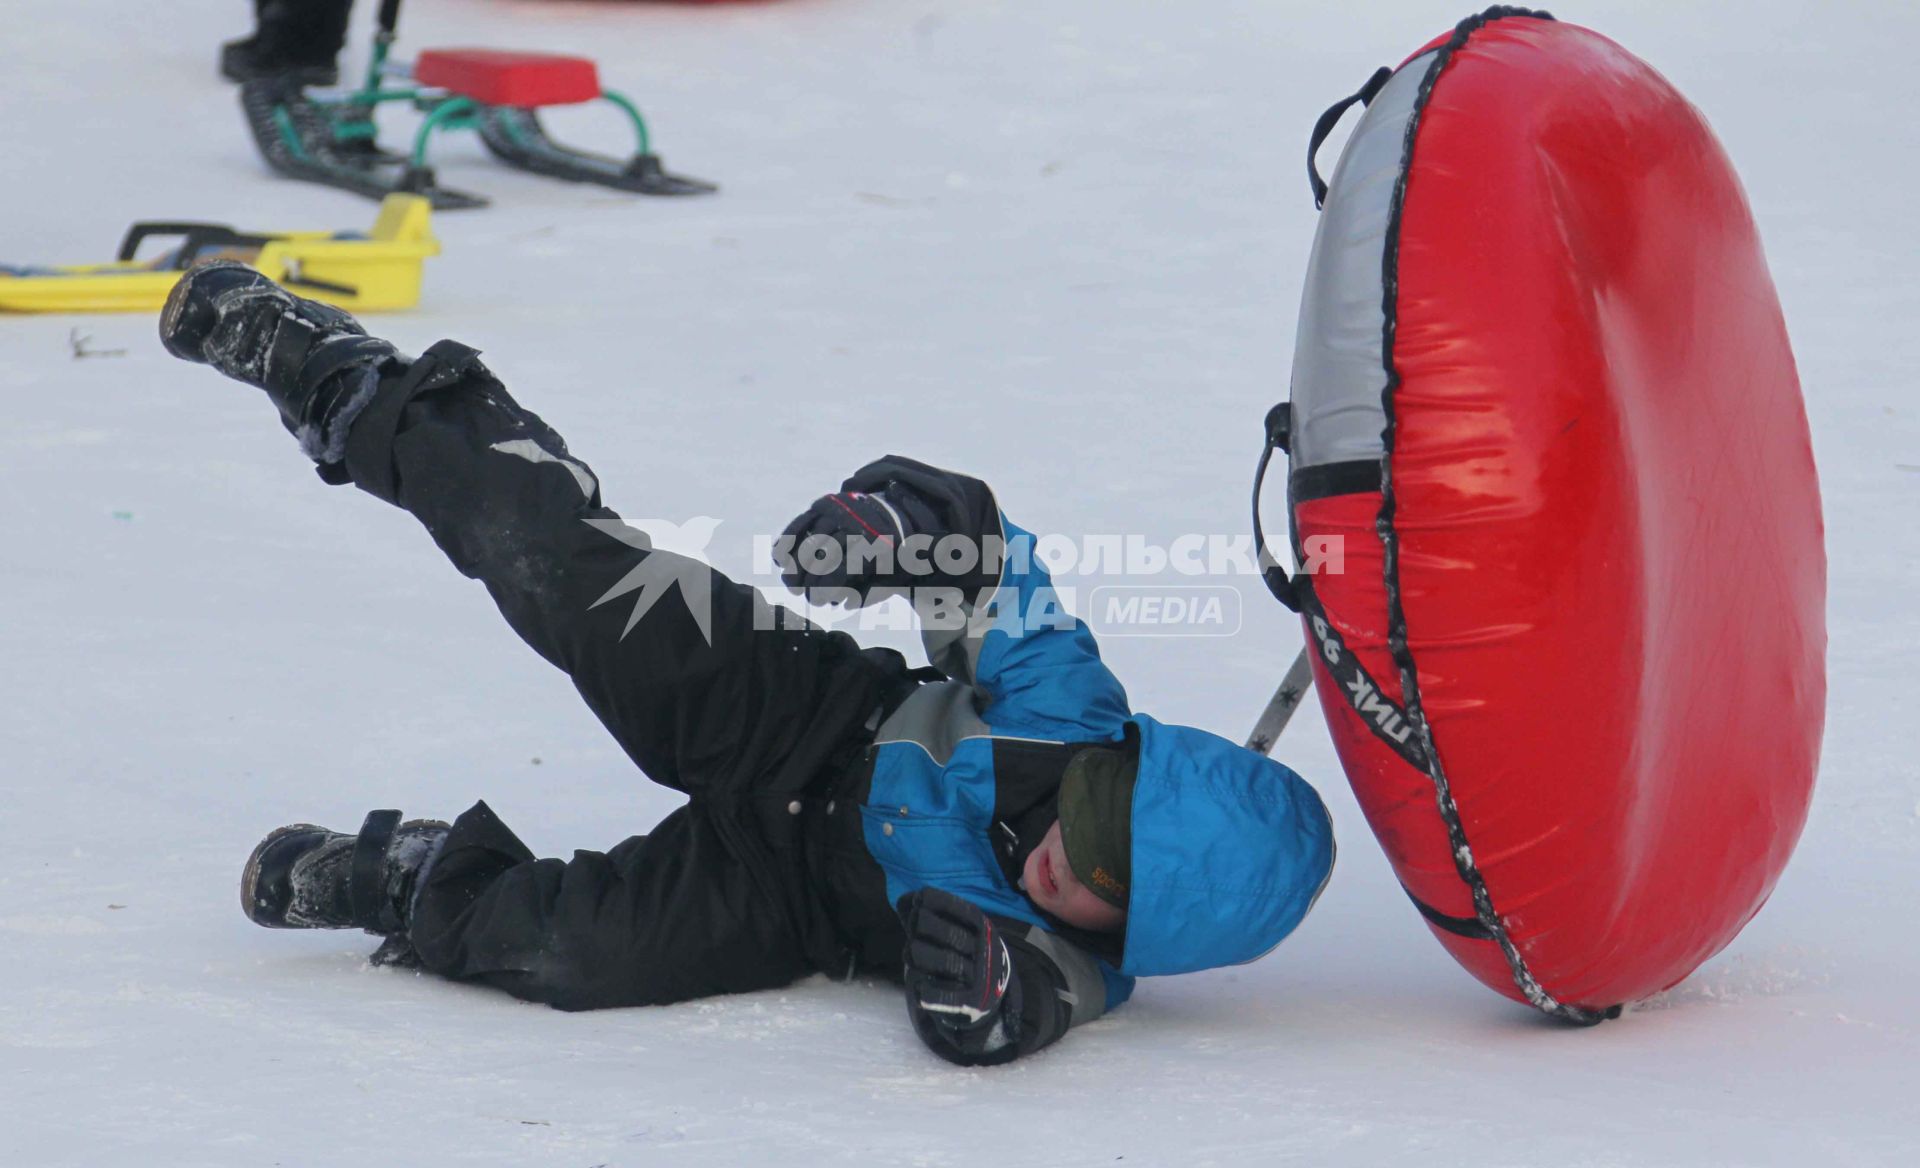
x: 685, y: 667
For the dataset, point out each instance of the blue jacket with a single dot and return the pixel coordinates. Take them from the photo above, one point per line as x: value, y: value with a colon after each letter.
x: 1230, y: 849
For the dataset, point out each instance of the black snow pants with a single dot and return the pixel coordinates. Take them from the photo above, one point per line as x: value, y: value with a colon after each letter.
x: 753, y: 723
x: 302, y: 30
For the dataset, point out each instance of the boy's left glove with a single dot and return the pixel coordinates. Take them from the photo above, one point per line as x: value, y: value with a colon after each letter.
x: 961, y: 988
x: 851, y: 541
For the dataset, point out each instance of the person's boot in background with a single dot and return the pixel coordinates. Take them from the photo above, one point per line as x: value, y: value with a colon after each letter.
x: 300, y: 39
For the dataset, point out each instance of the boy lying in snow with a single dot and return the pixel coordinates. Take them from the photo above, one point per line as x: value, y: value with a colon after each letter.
x: 999, y: 829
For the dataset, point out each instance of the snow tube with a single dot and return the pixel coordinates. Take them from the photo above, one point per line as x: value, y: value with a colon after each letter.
x: 1553, y: 496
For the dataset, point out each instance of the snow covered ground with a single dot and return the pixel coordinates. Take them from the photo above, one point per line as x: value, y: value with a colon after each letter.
x: 1056, y: 242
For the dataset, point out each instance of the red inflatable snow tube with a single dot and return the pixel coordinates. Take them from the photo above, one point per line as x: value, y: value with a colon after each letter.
x: 1554, y: 498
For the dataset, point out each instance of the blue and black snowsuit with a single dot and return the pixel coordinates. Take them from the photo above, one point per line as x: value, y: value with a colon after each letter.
x: 824, y: 781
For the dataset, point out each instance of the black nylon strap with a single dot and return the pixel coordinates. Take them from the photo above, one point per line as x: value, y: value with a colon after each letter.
x: 293, y: 341
x: 366, y: 884
x: 1279, y: 437
x: 1468, y: 927
x: 1357, y: 477
x: 1329, y: 120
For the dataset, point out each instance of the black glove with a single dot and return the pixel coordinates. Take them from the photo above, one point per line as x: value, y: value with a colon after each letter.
x: 851, y: 540
x: 959, y: 975
x: 954, y: 504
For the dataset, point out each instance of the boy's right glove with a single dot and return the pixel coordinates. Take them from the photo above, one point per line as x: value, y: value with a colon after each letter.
x: 960, y: 977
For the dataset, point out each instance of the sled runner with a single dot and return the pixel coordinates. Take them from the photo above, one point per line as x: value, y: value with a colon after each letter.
x: 331, y: 138
x: 368, y: 272
x: 1280, y: 707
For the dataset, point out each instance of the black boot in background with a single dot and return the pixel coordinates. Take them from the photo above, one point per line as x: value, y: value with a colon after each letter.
x: 306, y: 877
x: 297, y: 38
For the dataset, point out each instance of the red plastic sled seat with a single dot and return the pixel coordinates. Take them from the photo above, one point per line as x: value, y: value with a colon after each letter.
x: 499, y: 77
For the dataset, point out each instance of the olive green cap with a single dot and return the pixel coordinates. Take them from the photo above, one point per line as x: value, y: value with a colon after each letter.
x: 1096, y: 820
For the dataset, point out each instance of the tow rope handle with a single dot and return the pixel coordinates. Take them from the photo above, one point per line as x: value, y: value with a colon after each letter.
x: 1329, y: 120
x: 1279, y: 437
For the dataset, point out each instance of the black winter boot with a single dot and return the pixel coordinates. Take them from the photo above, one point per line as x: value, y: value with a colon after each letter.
x: 306, y: 877
x: 254, y: 57
x: 315, y: 361
x: 297, y: 38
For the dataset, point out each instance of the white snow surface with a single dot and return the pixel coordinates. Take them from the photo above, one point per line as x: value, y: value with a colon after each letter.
x: 1057, y: 243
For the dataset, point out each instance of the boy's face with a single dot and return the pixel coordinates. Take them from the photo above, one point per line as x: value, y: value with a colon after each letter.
x: 1049, y: 882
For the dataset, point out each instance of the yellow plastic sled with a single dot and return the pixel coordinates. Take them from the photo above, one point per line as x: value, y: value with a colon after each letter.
x: 365, y: 273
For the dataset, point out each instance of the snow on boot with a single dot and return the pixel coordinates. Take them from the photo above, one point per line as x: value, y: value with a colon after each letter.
x: 306, y: 877
x: 315, y: 361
